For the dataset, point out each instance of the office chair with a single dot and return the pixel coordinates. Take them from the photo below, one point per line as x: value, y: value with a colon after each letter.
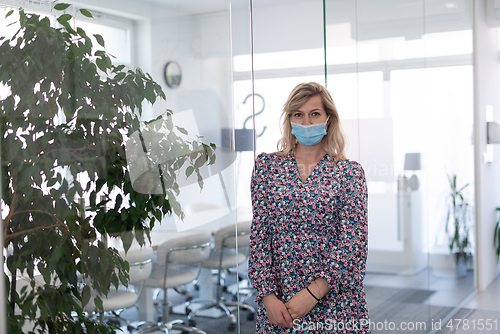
x: 178, y: 264
x: 225, y: 254
x: 118, y: 300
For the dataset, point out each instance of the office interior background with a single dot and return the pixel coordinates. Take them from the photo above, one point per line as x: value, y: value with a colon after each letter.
x: 415, y: 83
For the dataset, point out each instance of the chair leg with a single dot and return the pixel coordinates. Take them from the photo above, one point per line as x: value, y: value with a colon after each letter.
x: 191, y: 314
x: 180, y: 327
x: 224, y: 308
x: 154, y: 329
x: 241, y: 305
x: 175, y: 325
x: 165, y: 325
x: 218, y: 303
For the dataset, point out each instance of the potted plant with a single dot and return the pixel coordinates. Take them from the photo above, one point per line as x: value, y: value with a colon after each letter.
x: 63, y: 127
x: 496, y: 238
x: 458, y: 218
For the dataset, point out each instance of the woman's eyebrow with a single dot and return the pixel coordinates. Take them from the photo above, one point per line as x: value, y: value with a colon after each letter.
x: 316, y: 109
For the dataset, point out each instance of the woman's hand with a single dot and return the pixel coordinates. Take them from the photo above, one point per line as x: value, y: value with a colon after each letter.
x: 300, y: 304
x: 277, y: 311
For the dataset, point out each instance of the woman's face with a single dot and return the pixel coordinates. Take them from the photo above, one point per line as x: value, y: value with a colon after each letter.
x: 311, y: 112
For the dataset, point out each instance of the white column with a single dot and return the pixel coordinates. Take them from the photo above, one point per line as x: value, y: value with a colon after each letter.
x: 487, y: 174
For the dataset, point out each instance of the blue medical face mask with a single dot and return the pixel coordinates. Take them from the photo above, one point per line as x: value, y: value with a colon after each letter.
x: 309, y: 135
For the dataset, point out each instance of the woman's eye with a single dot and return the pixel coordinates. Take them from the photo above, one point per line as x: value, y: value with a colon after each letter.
x: 297, y: 115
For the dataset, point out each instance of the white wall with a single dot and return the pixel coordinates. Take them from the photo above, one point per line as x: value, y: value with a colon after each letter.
x: 486, y: 88
x: 201, y: 44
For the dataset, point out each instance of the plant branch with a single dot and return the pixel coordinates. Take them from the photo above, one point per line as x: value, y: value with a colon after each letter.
x: 8, y: 237
x: 6, y: 222
x: 13, y: 235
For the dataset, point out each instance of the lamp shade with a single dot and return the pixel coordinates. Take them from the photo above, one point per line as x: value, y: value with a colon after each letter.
x: 412, y: 161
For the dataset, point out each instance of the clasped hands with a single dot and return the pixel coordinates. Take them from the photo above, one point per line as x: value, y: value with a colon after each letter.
x: 283, y: 314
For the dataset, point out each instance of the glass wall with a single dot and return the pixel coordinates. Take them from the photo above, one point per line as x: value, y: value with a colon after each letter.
x: 126, y: 163
x: 99, y: 165
x: 399, y: 72
x: 413, y: 73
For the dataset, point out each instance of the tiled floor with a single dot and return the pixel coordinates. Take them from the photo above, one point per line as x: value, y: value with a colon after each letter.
x: 480, y: 310
x: 449, y: 290
x: 422, y: 298
x: 457, y: 295
x: 488, y: 299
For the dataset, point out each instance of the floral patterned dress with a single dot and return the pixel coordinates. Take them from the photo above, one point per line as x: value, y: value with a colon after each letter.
x: 305, y: 230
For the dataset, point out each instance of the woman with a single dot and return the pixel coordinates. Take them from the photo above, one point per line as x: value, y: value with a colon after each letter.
x: 309, y: 230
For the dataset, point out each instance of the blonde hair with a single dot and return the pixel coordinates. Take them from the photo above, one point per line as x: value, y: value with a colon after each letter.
x: 333, y: 142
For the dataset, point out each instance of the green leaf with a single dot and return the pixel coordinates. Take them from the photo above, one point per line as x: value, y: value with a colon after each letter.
x: 127, y: 239
x: 496, y: 235
x: 85, y: 295
x: 158, y: 215
x: 200, y: 161
x: 124, y: 215
x: 120, y: 76
x: 64, y: 18
x: 44, y: 314
x: 98, y: 303
x: 118, y: 68
x: 189, y: 171
x: 61, y: 6
x: 12, y: 152
x: 81, y: 32
x: 99, y: 39
x: 200, y: 181
x: 114, y: 281
x: 101, y: 63
x: 182, y: 130
x: 86, y: 13
x: 9, y: 13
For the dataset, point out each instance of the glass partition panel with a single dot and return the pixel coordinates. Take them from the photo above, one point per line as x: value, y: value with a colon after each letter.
x: 133, y: 152
x: 406, y: 65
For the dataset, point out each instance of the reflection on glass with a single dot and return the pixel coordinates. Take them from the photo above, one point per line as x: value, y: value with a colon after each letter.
x: 397, y: 72
x: 173, y: 74
x: 158, y: 172
x: 64, y: 147
x: 395, y: 104
x: 117, y: 37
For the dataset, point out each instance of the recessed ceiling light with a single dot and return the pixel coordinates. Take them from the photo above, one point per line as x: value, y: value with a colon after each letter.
x: 450, y: 5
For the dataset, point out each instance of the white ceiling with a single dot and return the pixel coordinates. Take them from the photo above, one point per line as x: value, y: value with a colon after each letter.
x: 374, y: 18
x: 194, y: 7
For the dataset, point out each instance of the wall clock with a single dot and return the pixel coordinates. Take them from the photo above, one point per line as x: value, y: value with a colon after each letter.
x: 172, y: 74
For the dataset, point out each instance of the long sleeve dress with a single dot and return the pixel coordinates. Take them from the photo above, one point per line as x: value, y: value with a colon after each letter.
x: 305, y: 230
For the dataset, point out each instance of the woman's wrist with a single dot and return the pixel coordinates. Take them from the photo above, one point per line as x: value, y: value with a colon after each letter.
x: 320, y: 286
x: 317, y: 286
x: 312, y: 294
x: 268, y: 296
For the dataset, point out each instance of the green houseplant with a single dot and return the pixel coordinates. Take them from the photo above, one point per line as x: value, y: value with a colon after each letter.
x: 65, y: 118
x: 458, y: 218
x: 496, y: 238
